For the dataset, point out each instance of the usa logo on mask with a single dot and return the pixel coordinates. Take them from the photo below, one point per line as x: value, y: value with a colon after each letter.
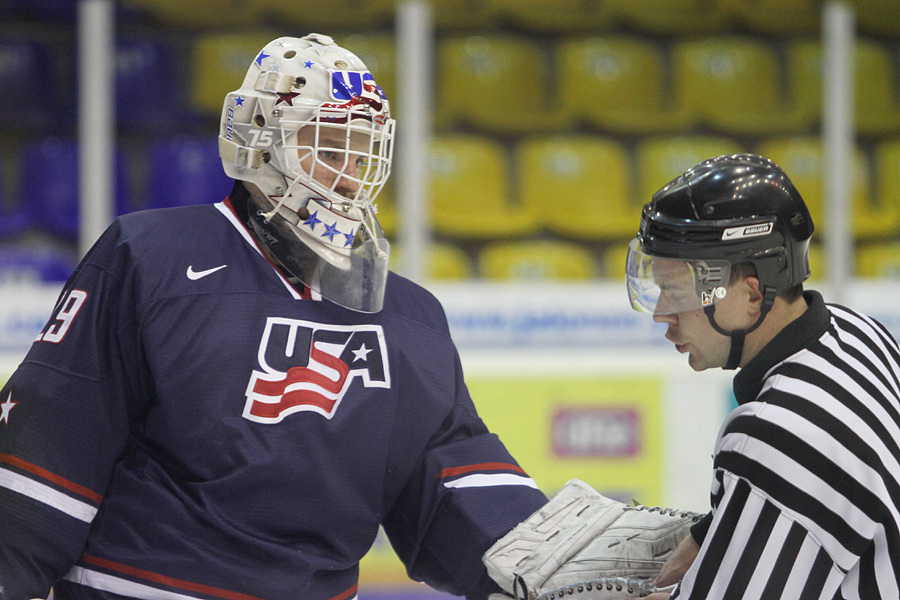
x: 347, y: 85
x: 306, y: 366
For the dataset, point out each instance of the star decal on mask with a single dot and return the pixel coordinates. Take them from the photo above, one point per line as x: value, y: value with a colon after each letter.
x: 331, y: 231
x: 6, y: 408
x: 312, y: 221
x: 239, y: 101
x: 262, y: 56
x: 349, y: 237
x: 286, y: 98
x: 308, y: 64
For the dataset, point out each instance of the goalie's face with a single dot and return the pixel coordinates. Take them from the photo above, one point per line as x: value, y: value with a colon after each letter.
x: 336, y: 163
x: 331, y: 241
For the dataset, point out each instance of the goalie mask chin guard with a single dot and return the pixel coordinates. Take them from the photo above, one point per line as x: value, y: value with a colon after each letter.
x: 728, y: 210
x: 312, y: 133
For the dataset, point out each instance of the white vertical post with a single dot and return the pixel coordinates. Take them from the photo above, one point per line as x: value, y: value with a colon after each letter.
x: 96, y: 118
x: 415, y: 42
x: 838, y: 132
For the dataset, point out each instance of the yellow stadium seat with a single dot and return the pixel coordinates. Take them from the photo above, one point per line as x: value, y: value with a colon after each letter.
x: 617, y: 83
x: 613, y: 261
x: 386, y: 209
x: 200, y: 13
x: 774, y: 16
x: 802, y: 158
x: 577, y: 186
x: 447, y: 14
x: 880, y: 260
x: 558, y: 16
x: 660, y: 159
x: 470, y: 190
x: 497, y: 83
x: 218, y: 66
x: 877, y: 107
x: 536, y: 260
x: 886, y: 206
x: 732, y: 84
x: 316, y: 15
x: 667, y: 16
x: 444, y: 262
x: 877, y: 17
x: 817, y: 270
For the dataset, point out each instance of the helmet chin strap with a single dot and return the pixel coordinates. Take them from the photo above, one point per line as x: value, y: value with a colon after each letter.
x: 737, y: 336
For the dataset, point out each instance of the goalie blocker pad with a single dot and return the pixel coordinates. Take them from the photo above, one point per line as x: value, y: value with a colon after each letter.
x: 579, y: 536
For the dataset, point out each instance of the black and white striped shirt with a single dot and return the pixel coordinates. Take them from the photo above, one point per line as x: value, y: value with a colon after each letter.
x: 806, y: 489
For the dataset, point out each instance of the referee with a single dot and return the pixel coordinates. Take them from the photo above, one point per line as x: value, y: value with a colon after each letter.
x: 806, y: 484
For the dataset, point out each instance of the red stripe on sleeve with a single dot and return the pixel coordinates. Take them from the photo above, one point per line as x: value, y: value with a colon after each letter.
x: 53, y: 477
x: 491, y: 466
x: 169, y: 581
x: 348, y: 594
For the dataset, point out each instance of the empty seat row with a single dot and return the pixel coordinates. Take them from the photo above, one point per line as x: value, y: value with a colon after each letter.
x: 592, y: 188
x: 575, y: 186
x: 542, y: 260
x: 732, y: 84
x: 511, y: 84
x: 675, y: 16
x: 737, y: 85
x: 179, y: 171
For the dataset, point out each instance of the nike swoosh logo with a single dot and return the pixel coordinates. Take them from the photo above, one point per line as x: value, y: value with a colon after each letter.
x: 195, y: 275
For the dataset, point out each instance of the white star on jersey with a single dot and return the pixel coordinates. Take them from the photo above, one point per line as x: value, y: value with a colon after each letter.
x: 361, y: 353
x: 6, y: 407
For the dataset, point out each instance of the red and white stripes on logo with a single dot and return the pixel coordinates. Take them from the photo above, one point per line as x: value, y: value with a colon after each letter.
x: 299, y: 387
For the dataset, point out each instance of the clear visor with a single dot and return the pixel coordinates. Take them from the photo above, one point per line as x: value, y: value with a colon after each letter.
x: 667, y: 286
x: 354, y: 277
x: 359, y: 283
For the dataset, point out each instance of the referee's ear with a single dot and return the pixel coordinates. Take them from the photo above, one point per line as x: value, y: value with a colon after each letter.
x: 748, y: 290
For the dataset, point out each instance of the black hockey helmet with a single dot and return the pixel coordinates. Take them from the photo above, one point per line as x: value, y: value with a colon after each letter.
x: 727, y: 210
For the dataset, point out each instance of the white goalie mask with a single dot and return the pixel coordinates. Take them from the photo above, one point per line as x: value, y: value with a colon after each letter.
x: 312, y: 131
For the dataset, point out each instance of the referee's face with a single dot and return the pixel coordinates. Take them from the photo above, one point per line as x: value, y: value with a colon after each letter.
x: 692, y: 333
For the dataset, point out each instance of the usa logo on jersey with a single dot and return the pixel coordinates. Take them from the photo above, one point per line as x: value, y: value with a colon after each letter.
x: 306, y: 366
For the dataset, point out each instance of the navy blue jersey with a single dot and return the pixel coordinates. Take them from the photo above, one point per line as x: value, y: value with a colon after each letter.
x: 189, y: 425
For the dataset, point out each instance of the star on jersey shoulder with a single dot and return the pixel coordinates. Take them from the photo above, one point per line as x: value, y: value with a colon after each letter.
x: 6, y: 408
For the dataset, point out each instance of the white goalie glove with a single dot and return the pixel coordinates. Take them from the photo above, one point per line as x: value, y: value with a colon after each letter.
x: 584, y: 546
